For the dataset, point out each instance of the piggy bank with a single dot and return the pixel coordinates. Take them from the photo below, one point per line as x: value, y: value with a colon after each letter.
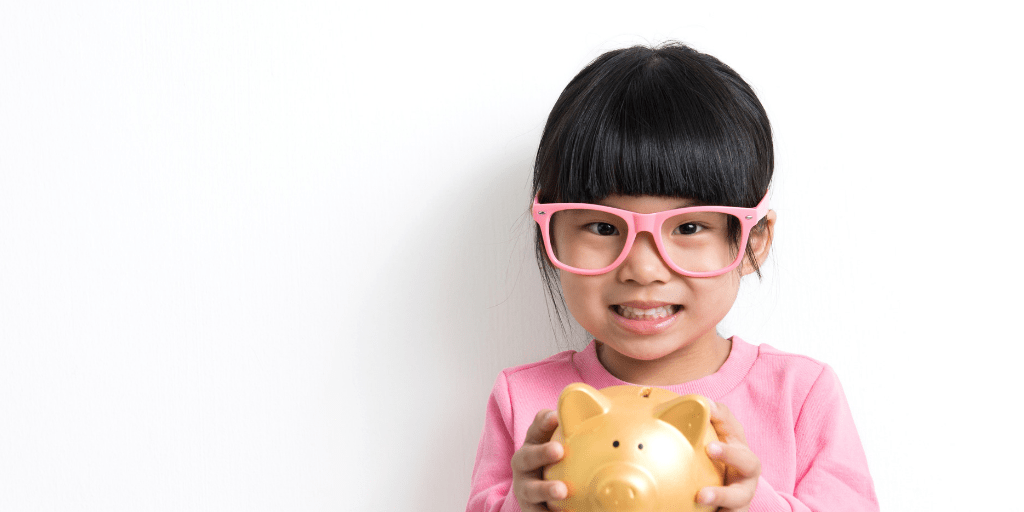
x: 633, y: 449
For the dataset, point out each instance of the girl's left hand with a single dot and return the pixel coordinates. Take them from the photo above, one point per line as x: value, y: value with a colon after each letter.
x: 742, y: 470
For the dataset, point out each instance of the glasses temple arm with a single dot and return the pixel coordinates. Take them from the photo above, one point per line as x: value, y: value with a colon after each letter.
x: 762, y: 207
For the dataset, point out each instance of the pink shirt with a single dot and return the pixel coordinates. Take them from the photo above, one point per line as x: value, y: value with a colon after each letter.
x: 792, y: 409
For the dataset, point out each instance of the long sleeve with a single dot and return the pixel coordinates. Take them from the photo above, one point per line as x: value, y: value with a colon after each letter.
x: 832, y: 471
x: 492, y: 472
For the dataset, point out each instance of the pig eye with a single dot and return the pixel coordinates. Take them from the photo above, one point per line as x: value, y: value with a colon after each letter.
x: 641, y: 446
x: 615, y: 444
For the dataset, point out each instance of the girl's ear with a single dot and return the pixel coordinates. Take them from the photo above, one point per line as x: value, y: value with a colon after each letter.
x: 760, y: 243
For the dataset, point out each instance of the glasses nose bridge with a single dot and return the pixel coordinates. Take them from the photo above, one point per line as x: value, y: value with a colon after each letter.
x: 645, y: 222
x: 645, y: 263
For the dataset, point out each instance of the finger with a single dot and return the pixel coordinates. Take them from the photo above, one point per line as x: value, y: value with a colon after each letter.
x: 733, y: 497
x: 533, y: 507
x: 738, y: 457
x: 726, y: 425
x: 541, y: 491
x: 542, y: 427
x: 535, y: 456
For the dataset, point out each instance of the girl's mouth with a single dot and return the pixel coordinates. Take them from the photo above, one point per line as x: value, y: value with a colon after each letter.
x: 646, y: 314
x: 645, y: 321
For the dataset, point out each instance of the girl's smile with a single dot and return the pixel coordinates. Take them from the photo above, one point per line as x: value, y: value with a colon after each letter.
x: 645, y: 317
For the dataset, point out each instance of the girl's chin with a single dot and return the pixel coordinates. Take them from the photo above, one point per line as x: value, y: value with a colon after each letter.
x: 640, y: 350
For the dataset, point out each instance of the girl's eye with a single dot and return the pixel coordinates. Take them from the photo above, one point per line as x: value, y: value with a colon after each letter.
x: 602, y: 228
x: 688, y: 228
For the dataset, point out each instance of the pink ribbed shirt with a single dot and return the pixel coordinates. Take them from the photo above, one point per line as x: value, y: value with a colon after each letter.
x: 792, y: 409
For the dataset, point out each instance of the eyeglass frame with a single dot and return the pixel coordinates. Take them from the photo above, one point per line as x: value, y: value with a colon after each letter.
x: 647, y: 222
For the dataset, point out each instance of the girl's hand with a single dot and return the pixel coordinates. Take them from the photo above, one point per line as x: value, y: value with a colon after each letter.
x: 742, y: 470
x: 531, y: 490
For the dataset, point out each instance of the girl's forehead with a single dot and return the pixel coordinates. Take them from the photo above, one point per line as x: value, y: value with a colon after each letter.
x: 646, y: 204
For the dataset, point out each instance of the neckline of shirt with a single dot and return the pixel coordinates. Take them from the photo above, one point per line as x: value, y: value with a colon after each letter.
x: 737, y: 365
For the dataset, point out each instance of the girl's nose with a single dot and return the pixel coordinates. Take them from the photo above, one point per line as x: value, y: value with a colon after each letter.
x: 643, y: 264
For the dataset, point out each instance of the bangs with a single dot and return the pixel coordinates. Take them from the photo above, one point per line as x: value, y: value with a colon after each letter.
x: 659, y: 122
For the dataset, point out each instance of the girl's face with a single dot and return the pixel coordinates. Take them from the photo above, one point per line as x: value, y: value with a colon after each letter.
x: 645, y: 311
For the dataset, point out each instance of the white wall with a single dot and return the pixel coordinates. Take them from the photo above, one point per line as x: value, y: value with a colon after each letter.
x: 271, y: 255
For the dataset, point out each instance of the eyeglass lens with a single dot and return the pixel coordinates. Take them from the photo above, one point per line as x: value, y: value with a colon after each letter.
x: 695, y: 241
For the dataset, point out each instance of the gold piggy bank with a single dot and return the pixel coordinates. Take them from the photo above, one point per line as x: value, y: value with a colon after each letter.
x: 633, y: 449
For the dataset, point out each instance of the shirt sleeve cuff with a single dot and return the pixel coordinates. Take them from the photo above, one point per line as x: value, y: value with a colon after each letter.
x: 767, y: 500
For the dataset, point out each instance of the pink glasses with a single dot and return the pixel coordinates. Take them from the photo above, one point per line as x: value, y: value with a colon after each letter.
x: 590, y: 239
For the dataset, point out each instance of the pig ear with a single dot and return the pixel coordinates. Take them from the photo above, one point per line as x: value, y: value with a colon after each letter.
x: 689, y: 414
x: 578, y: 403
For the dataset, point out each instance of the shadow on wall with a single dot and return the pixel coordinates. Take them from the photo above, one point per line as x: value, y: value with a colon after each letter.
x: 488, y: 309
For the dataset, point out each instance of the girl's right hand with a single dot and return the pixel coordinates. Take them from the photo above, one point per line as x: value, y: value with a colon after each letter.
x: 531, y: 490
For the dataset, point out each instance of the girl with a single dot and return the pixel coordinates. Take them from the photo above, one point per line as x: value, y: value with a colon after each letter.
x: 651, y: 201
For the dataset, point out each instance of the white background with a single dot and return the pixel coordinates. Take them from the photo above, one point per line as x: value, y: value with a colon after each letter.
x: 272, y: 255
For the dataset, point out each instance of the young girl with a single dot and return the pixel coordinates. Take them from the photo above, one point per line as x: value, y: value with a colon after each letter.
x: 651, y: 201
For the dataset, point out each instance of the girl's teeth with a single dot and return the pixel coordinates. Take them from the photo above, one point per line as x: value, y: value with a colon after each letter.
x: 644, y: 314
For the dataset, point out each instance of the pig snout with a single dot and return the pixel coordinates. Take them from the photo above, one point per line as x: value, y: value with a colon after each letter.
x: 623, y: 488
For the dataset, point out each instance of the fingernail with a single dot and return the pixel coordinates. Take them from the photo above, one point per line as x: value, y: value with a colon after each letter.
x: 706, y: 496
x: 559, y: 491
x: 714, y: 449
x: 557, y: 451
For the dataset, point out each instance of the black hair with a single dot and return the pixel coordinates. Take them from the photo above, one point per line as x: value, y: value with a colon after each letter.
x: 662, y: 121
